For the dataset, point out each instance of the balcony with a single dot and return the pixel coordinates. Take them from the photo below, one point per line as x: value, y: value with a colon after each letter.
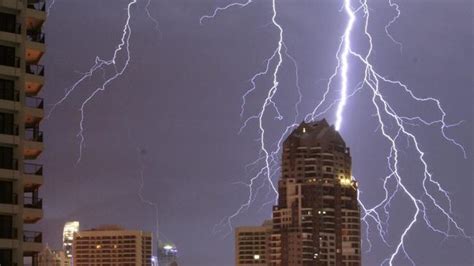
x: 32, y: 244
x: 33, y: 169
x: 35, y: 49
x: 32, y: 237
x: 34, y: 111
x: 33, y: 145
x: 39, y: 5
x: 33, y: 134
x: 33, y: 203
x: 37, y: 70
x: 34, y: 102
x: 33, y: 176
x: 35, y: 36
x: 33, y: 209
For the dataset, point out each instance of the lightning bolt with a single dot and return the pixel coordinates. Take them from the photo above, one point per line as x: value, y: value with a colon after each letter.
x: 269, y: 156
x: 51, y: 5
x: 393, y: 127
x: 119, y: 62
x: 122, y: 50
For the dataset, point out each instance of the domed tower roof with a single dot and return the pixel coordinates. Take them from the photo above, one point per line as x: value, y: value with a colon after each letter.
x: 307, y: 134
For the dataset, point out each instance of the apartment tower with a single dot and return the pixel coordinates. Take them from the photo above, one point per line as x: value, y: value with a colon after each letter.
x: 70, y: 228
x: 252, y: 244
x: 316, y: 220
x: 21, y: 141
x: 111, y: 245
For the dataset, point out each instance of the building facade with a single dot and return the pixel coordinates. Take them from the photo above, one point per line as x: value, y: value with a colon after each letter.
x: 252, y: 244
x: 70, y: 228
x: 317, y: 219
x: 49, y: 257
x: 112, y: 245
x: 167, y: 254
x: 21, y: 140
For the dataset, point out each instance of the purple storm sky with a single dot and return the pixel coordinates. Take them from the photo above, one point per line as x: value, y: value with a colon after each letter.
x: 179, y: 103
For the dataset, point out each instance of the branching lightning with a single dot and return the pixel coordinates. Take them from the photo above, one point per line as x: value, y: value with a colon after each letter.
x: 392, y: 123
x: 393, y: 127
x: 122, y: 50
x: 119, y: 62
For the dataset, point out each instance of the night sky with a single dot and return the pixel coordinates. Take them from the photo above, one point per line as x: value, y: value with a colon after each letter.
x: 176, y: 110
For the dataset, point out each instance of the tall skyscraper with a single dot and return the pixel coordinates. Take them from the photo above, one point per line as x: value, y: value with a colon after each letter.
x: 21, y: 141
x: 317, y: 218
x: 70, y: 228
x: 111, y: 245
x: 167, y: 254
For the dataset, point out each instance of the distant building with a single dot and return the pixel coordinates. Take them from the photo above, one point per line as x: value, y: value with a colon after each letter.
x: 49, y: 257
x: 252, y: 244
x: 22, y: 46
x: 317, y: 219
x: 70, y: 228
x: 167, y: 254
x: 112, y: 245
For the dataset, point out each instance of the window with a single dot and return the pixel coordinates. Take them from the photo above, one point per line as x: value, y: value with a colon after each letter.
x: 6, y: 124
x: 6, y: 192
x: 6, y: 229
x: 7, y: 56
x: 8, y: 23
x: 6, y: 257
x: 7, y: 90
x: 6, y: 158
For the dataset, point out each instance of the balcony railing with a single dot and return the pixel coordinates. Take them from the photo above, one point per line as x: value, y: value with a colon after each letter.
x: 34, y: 102
x: 12, y: 28
x: 33, y: 203
x: 39, y: 5
x: 35, y: 36
x: 9, y: 130
x: 9, y: 199
x: 33, y: 169
x: 35, y: 70
x: 33, y: 134
x: 8, y: 233
x: 32, y: 237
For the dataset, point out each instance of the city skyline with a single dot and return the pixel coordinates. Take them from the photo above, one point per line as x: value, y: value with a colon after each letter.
x: 166, y: 131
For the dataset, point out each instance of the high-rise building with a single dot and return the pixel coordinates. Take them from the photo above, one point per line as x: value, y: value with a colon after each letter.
x: 49, y: 257
x: 21, y: 141
x: 317, y: 219
x: 252, y: 244
x: 70, y: 228
x: 112, y: 245
x: 167, y: 254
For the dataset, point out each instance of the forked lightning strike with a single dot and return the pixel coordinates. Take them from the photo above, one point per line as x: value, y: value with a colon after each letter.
x: 119, y: 62
x: 394, y: 183
x: 122, y: 49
